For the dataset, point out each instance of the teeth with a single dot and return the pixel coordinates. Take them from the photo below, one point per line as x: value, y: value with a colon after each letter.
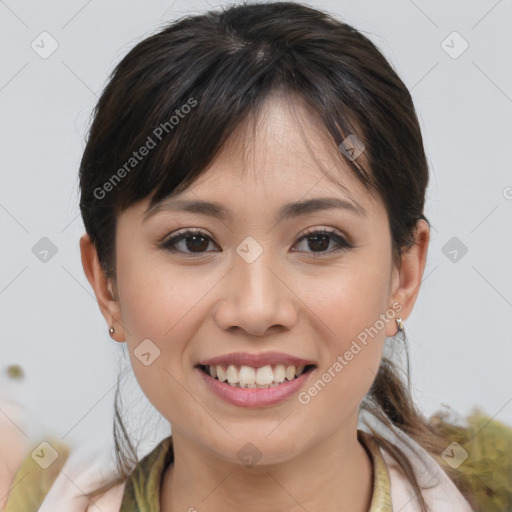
x: 221, y: 373
x: 232, y: 374
x: 248, y: 377
x: 279, y: 373
x: 264, y: 375
x: 290, y: 372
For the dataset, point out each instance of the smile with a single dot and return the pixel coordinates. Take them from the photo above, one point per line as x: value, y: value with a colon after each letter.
x: 241, y: 376
x: 278, y: 383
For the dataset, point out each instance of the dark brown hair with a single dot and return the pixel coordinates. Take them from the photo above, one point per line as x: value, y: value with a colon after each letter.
x: 183, y: 91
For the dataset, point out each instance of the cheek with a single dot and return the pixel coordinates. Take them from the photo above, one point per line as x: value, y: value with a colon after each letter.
x: 162, y: 304
x: 351, y: 299
x: 350, y: 306
x: 156, y: 306
x: 156, y: 298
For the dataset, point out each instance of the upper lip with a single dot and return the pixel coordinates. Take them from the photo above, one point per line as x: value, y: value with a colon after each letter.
x: 256, y: 360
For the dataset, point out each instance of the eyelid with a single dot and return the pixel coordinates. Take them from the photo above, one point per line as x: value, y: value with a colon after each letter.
x: 183, y: 231
x: 323, y: 229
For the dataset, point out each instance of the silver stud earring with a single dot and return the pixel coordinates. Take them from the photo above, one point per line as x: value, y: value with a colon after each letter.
x: 111, y: 331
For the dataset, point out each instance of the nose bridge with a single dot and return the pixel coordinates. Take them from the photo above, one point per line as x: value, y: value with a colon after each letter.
x: 256, y: 298
x: 255, y: 282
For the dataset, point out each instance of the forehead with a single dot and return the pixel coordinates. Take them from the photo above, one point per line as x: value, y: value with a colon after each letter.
x: 283, y: 149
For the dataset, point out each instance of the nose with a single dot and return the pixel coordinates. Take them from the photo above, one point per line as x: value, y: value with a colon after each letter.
x: 256, y: 298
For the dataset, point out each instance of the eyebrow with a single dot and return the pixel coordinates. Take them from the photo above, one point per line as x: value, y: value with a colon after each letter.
x: 288, y: 211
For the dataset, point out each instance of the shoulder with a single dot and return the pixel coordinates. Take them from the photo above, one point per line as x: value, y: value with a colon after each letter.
x: 39, y: 472
x: 84, y: 471
x: 443, y: 495
x: 437, y: 490
x: 474, y: 471
x: 13, y: 446
x: 110, y: 501
x: 18, y: 431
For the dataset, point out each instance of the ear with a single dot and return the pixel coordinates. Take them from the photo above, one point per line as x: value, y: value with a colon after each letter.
x: 104, y: 288
x: 406, y: 280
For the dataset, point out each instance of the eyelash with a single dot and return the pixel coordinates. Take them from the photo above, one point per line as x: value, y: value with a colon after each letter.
x: 169, y: 242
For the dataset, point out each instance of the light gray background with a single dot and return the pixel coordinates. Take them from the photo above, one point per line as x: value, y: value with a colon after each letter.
x: 459, y: 332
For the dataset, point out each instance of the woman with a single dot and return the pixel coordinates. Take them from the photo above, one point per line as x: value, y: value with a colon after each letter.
x: 252, y: 190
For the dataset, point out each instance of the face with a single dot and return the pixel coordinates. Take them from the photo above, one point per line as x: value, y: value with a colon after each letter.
x: 316, y: 284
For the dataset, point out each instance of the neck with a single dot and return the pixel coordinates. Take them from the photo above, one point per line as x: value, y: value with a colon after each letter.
x: 335, y: 475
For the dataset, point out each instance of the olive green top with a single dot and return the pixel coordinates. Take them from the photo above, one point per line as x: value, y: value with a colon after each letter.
x: 142, y: 490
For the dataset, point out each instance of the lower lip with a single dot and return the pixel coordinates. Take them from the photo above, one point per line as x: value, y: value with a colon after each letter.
x: 255, y: 397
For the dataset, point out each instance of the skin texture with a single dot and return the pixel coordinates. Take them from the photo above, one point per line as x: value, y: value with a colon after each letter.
x: 296, y: 297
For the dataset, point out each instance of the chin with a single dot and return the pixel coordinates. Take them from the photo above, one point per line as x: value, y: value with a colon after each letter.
x: 259, y: 449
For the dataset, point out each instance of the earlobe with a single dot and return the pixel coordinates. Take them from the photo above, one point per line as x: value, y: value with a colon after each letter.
x: 103, y: 288
x: 407, y: 278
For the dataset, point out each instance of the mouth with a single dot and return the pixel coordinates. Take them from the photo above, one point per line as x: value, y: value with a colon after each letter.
x: 247, y: 377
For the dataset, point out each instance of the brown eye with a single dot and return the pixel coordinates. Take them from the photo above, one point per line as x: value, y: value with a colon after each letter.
x: 319, y: 241
x: 194, y: 242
